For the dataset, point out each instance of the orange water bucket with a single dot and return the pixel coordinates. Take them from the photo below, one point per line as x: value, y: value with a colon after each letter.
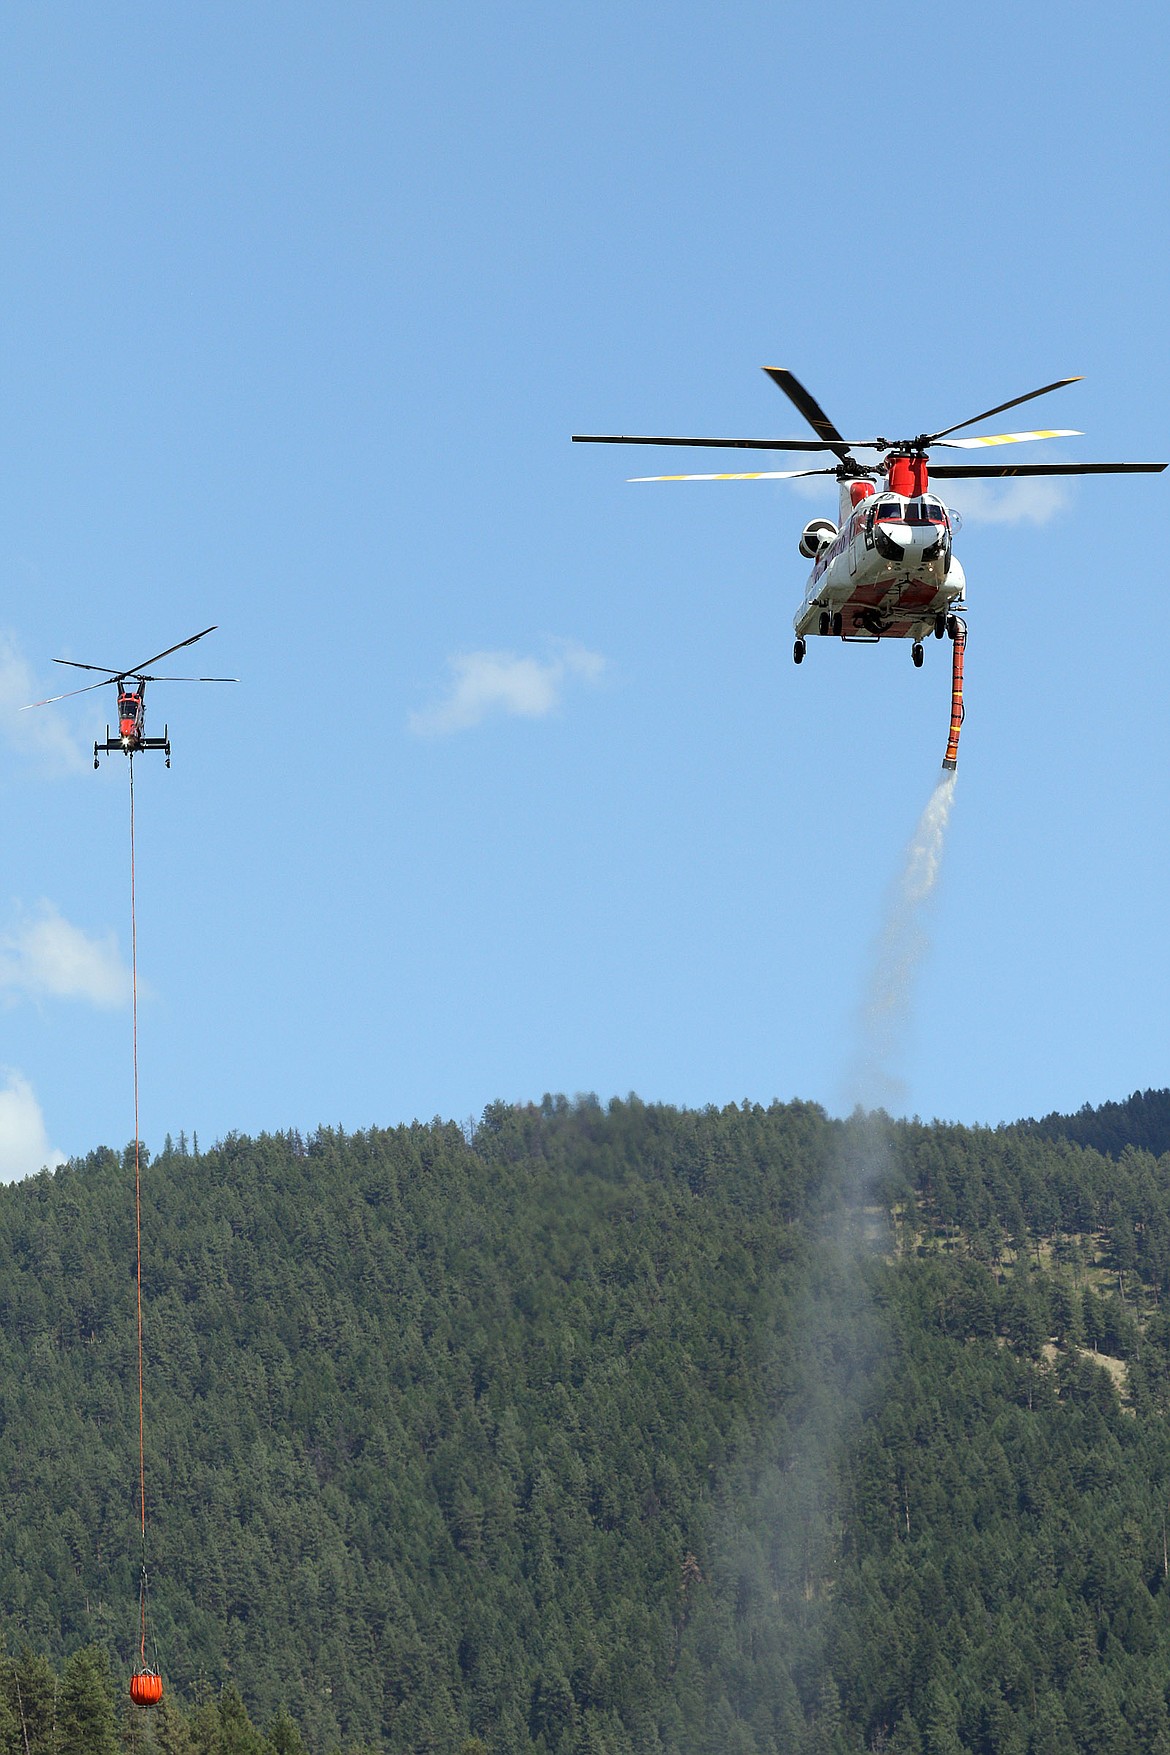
x: 146, y: 1688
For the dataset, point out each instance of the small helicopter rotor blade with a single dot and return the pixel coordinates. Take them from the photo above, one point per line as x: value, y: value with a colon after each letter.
x: 1059, y: 384
x: 750, y: 475
x: 136, y: 669
x: 719, y: 444
x: 1009, y: 438
x: 976, y: 471
x: 69, y: 693
x: 138, y: 677
x: 77, y: 665
x: 812, y: 411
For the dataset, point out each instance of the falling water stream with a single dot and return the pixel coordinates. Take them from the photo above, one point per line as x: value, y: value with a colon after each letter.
x: 902, y: 941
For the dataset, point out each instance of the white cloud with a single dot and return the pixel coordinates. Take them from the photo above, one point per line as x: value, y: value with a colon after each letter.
x: 43, y: 733
x: 24, y: 1144
x: 486, y: 683
x: 821, y: 488
x: 1021, y: 500
x: 44, y: 956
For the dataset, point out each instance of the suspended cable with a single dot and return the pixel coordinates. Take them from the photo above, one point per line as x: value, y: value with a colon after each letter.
x: 145, y: 1684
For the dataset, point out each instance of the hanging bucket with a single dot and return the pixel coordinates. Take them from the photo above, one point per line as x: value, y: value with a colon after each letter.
x: 146, y: 1688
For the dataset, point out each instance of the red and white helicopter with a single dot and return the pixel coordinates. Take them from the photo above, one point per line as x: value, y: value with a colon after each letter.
x: 886, y: 569
x: 131, y: 687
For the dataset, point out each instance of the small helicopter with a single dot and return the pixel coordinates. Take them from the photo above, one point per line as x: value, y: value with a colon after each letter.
x: 886, y: 569
x: 131, y: 686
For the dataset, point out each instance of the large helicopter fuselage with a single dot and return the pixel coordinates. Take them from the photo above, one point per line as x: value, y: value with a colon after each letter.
x: 888, y: 572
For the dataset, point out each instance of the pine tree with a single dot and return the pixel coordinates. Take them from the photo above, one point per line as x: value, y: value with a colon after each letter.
x: 285, y: 1737
x: 34, y: 1695
x: 906, y: 1739
x: 86, y: 1720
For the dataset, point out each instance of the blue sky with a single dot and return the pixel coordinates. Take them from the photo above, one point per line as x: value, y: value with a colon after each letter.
x: 521, y: 790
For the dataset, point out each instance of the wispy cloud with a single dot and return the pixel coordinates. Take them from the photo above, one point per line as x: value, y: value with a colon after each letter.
x: 1022, y: 500
x: 45, y: 957
x: 43, y: 734
x: 24, y: 1144
x: 821, y: 488
x: 491, y: 683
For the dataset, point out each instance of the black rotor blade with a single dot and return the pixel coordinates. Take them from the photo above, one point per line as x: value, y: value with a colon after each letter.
x: 131, y: 669
x: 720, y: 444
x: 135, y: 669
x: 999, y: 408
x: 812, y: 411
x: 982, y: 471
x: 77, y: 665
x: 138, y: 677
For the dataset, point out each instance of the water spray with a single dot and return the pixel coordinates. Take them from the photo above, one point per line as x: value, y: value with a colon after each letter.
x: 901, y: 945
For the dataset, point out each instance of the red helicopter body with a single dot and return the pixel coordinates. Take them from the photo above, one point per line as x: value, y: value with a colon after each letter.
x: 131, y: 687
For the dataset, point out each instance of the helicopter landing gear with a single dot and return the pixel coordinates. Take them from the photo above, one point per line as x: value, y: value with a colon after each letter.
x: 836, y: 622
x: 917, y: 654
x: 798, y: 650
x: 940, y: 626
x: 826, y: 621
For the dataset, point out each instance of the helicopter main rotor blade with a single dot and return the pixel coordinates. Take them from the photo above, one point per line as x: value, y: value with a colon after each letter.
x: 135, y: 669
x: 750, y: 475
x: 1010, y: 438
x: 812, y: 411
x: 1059, y: 384
x: 69, y: 693
x: 724, y: 444
x: 131, y: 669
x: 975, y: 471
x: 138, y: 677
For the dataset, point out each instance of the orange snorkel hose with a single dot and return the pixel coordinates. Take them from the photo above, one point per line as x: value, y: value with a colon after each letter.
x: 951, y: 759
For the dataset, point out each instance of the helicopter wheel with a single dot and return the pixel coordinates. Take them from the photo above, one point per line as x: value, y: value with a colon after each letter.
x: 917, y: 653
x: 836, y: 622
x: 940, y: 626
x: 798, y: 651
x: 826, y: 621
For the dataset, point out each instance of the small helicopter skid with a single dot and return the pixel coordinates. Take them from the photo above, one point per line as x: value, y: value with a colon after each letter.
x: 119, y: 746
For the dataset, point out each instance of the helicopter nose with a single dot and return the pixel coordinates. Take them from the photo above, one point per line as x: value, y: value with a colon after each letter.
x: 915, y: 537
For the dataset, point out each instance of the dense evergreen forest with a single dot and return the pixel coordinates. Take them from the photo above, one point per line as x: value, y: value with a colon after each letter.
x: 598, y: 1430
x: 1143, y: 1120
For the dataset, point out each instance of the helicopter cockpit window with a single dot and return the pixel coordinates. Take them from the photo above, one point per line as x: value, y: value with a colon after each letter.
x: 922, y: 511
x: 890, y: 512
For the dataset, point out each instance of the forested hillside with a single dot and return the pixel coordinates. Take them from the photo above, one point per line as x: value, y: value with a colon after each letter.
x: 1143, y: 1120
x: 621, y: 1429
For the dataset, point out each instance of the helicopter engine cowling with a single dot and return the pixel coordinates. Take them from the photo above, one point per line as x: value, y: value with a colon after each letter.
x: 815, y: 536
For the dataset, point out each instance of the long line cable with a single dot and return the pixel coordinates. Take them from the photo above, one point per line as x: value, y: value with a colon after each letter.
x: 138, y: 1226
